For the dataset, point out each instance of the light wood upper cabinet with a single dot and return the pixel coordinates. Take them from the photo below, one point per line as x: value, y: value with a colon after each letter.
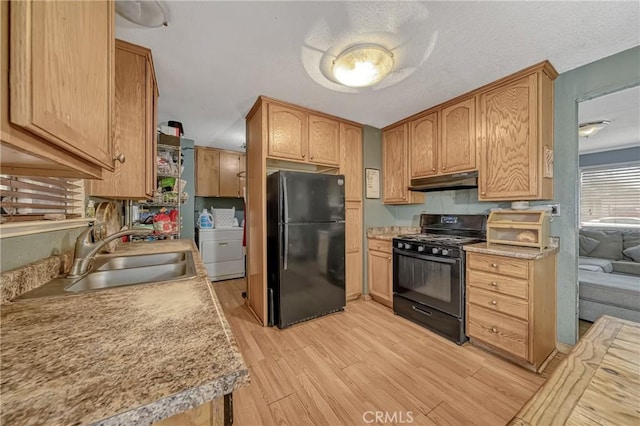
x: 288, y: 132
x: 457, y: 148
x: 61, y: 78
x: 444, y: 141
x: 351, y: 162
x: 230, y: 181
x: 423, y: 141
x: 395, y: 168
x: 516, y: 161
x: 207, y: 172
x: 135, y: 127
x: 324, y: 140
x: 218, y: 173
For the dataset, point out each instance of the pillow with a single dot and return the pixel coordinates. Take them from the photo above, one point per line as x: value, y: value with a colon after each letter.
x: 590, y: 268
x: 587, y: 245
x: 633, y: 252
x: 630, y: 238
x: 604, y: 264
x: 610, y: 246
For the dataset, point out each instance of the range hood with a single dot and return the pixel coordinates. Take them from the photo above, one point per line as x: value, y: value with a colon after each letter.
x: 445, y: 183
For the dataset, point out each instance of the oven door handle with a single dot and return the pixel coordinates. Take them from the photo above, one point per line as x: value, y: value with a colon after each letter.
x: 423, y: 257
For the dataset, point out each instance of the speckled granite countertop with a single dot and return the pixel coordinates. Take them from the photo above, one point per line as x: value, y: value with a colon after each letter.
x: 390, y: 232
x: 128, y: 355
x: 510, y: 251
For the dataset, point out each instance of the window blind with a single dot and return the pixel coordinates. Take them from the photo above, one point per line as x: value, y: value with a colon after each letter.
x: 610, y: 196
x: 30, y: 198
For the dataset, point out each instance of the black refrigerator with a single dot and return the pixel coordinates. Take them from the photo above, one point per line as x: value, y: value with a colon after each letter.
x: 305, y: 246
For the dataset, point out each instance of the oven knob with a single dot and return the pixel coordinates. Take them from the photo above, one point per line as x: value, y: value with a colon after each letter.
x: 420, y: 248
x: 445, y: 252
x: 407, y: 246
x: 434, y: 250
x: 399, y: 245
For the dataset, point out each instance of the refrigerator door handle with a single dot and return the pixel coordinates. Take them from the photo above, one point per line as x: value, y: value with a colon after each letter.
x: 285, y: 237
x: 285, y: 201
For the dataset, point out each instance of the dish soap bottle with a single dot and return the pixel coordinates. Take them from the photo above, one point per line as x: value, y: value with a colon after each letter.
x: 91, y: 209
x: 205, y: 220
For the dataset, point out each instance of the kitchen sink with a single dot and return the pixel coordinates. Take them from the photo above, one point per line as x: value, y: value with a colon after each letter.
x: 125, y: 262
x: 110, y: 272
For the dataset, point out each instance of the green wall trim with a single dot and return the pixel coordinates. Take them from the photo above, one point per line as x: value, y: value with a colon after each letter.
x: 604, y: 76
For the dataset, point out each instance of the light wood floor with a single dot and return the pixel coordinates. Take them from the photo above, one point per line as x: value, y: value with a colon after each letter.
x: 336, y: 369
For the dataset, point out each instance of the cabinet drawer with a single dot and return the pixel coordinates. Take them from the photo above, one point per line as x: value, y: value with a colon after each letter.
x: 496, y: 329
x: 380, y: 245
x: 499, y: 265
x: 498, y: 283
x: 497, y: 302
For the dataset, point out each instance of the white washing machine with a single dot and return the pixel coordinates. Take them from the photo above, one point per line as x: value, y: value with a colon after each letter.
x: 222, y: 253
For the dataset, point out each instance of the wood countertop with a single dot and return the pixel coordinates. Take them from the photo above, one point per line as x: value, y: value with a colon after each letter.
x: 127, y: 355
x: 598, y: 382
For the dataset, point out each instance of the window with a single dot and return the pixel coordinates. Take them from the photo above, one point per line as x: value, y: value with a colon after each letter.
x: 30, y: 198
x: 610, y: 197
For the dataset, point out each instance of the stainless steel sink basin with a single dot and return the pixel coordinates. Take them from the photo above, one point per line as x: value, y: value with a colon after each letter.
x: 121, y: 271
x: 125, y: 262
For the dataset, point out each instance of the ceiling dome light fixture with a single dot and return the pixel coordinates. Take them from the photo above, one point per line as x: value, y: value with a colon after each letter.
x: 362, y: 65
x: 149, y: 13
x: 589, y: 129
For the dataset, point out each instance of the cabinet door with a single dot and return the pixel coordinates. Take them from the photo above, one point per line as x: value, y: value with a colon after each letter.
x: 509, y: 161
x: 423, y: 145
x: 62, y: 74
x: 133, y: 129
x: 394, y: 165
x: 207, y: 172
x: 229, y: 169
x: 457, y: 151
x: 288, y: 132
x: 351, y: 161
x: 353, y: 248
x: 380, y: 277
x: 324, y: 140
x: 152, y: 139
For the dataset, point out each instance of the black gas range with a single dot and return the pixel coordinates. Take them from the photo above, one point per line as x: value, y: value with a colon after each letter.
x: 428, y: 272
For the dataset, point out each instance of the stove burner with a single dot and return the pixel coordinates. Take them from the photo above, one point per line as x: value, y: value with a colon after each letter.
x: 438, y: 238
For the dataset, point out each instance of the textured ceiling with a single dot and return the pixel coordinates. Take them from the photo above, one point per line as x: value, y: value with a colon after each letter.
x: 215, y: 58
x: 623, y: 110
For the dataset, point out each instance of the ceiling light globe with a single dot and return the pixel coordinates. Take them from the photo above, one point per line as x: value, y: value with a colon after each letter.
x: 362, y: 65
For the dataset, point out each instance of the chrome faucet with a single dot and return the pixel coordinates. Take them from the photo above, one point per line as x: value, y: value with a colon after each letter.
x: 85, y: 250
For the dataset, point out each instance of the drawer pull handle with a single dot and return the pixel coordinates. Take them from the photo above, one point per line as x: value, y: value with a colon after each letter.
x: 494, y: 330
x: 223, y: 244
x: 493, y: 265
x: 494, y: 284
x: 494, y: 302
x: 389, y: 258
x: 427, y: 313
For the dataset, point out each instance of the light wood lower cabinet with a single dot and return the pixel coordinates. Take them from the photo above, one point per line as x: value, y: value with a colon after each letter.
x: 208, y: 414
x: 380, y: 270
x: 511, y: 306
x: 135, y: 127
